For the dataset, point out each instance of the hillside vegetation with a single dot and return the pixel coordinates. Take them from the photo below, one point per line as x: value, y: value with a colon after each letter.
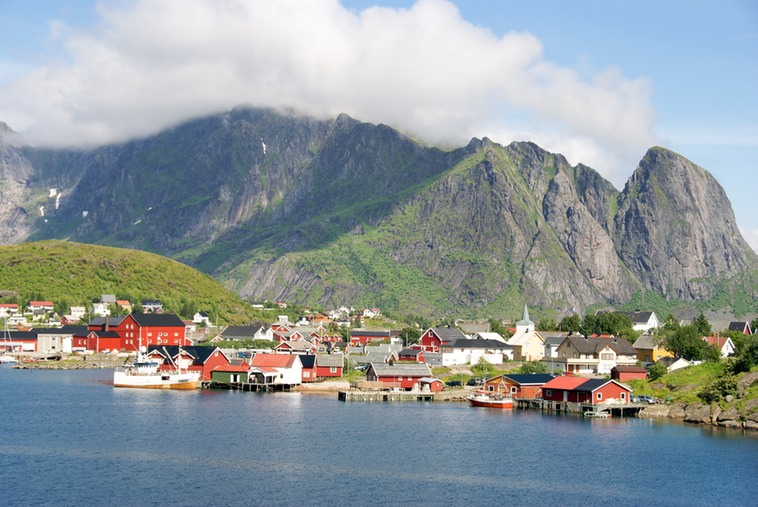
x: 75, y: 274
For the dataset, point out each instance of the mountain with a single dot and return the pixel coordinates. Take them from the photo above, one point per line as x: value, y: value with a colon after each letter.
x: 76, y: 274
x: 327, y: 212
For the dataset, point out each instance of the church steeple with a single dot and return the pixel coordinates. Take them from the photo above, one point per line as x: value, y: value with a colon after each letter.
x: 525, y: 324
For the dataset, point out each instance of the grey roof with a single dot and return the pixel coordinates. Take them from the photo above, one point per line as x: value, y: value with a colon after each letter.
x: 63, y: 330
x: 629, y: 368
x: 635, y: 317
x: 464, y: 343
x: 366, y: 332
x: 401, y: 369
x: 474, y: 327
x: 594, y: 384
x: 447, y: 334
x: 409, y: 352
x: 231, y: 332
x: 739, y: 326
x: 645, y: 341
x: 594, y: 345
x: 112, y: 321
x: 530, y: 378
x: 199, y: 353
x: 108, y: 298
x: 330, y: 360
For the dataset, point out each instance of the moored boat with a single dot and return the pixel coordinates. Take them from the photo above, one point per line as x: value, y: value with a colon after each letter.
x: 490, y: 400
x: 144, y: 374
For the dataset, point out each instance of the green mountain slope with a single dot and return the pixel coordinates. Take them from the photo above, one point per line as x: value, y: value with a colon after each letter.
x: 77, y: 274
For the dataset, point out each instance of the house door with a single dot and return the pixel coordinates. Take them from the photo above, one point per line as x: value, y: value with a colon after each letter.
x: 565, y: 395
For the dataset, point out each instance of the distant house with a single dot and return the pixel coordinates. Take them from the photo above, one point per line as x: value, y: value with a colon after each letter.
x: 432, y: 385
x: 101, y: 309
x: 236, y: 372
x: 741, y: 327
x: 592, y: 355
x: 649, y: 349
x: 201, y: 318
x: 488, y: 335
x: 58, y: 339
x: 151, y: 306
x: 366, y: 337
x: 641, y: 321
x: 8, y: 309
x: 238, y: 333
x: 411, y: 355
x: 723, y: 344
x: 627, y: 373
x: 519, y: 385
x: 433, y: 338
x: 44, y: 306
x: 296, y: 347
x: 401, y: 375
x: 465, y: 351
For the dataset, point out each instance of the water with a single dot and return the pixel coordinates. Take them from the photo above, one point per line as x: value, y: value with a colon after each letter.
x: 70, y: 438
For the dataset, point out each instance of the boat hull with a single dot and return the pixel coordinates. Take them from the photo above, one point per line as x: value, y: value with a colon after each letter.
x: 489, y: 402
x: 180, y: 381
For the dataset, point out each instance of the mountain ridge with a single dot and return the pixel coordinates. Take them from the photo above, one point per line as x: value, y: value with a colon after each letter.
x: 326, y: 212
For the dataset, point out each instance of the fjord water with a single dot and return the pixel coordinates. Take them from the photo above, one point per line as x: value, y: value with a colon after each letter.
x: 70, y: 438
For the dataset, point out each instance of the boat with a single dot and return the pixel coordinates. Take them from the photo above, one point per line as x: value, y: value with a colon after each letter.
x: 144, y: 374
x: 6, y: 357
x: 490, y: 400
x: 596, y: 414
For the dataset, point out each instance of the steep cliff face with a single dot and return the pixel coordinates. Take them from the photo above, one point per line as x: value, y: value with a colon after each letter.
x: 15, y: 172
x: 334, y: 211
x: 675, y: 228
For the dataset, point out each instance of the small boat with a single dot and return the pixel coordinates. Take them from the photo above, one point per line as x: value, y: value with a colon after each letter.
x: 598, y: 415
x: 490, y: 400
x: 144, y: 374
x: 6, y: 357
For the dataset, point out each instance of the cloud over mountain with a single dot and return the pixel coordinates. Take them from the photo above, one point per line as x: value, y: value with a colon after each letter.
x: 150, y: 64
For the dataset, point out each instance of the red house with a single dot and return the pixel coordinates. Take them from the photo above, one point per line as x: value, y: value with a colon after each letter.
x: 329, y: 365
x: 583, y: 390
x: 626, y: 373
x: 191, y: 358
x: 411, y: 355
x: 434, y: 337
x: 433, y: 385
x: 403, y: 375
x: 519, y: 385
x: 140, y: 329
x: 309, y: 367
x: 366, y: 337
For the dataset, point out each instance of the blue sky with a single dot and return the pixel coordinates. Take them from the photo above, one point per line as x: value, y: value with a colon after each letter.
x: 599, y: 81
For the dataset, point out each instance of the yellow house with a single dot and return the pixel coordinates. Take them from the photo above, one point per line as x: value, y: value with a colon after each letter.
x: 648, y: 351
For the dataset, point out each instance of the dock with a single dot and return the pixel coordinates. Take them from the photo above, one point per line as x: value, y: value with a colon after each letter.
x: 390, y: 395
x: 611, y: 409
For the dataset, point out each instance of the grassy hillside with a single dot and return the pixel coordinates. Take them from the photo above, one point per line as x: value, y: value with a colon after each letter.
x: 76, y: 274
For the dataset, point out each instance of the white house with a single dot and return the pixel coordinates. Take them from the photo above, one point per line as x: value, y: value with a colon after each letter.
x: 723, y: 344
x: 100, y: 309
x: 465, y: 351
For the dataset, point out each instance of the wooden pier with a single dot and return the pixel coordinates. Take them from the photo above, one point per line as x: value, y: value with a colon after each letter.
x: 612, y: 409
x: 385, y: 396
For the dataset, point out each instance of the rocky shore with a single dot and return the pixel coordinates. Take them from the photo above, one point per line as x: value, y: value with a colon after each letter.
x: 733, y: 412
x: 72, y: 362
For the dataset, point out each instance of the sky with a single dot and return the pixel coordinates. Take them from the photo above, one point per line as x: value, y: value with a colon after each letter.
x: 597, y: 81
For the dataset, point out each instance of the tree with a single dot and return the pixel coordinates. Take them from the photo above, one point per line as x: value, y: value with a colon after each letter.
x: 409, y: 335
x: 656, y: 371
x: 702, y: 325
x: 547, y: 325
x: 686, y: 342
x: 570, y: 324
x: 533, y: 367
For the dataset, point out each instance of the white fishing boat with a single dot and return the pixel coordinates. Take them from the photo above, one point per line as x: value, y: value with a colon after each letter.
x: 145, y: 374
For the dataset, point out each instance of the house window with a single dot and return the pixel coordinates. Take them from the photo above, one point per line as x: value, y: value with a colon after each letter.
x: 599, y: 396
x: 333, y: 369
x: 514, y: 390
x: 623, y: 396
x: 548, y: 393
x: 607, y: 356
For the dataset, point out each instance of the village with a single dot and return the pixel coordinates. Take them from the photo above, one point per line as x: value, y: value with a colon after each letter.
x: 375, y: 364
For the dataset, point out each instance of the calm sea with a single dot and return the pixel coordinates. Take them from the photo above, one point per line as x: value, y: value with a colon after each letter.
x: 70, y: 438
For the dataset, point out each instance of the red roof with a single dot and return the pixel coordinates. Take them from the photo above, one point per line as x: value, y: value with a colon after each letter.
x: 41, y: 303
x: 565, y: 383
x: 273, y: 360
x: 718, y: 341
x: 232, y: 367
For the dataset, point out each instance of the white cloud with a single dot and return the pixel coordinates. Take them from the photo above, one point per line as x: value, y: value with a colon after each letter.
x: 154, y: 63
